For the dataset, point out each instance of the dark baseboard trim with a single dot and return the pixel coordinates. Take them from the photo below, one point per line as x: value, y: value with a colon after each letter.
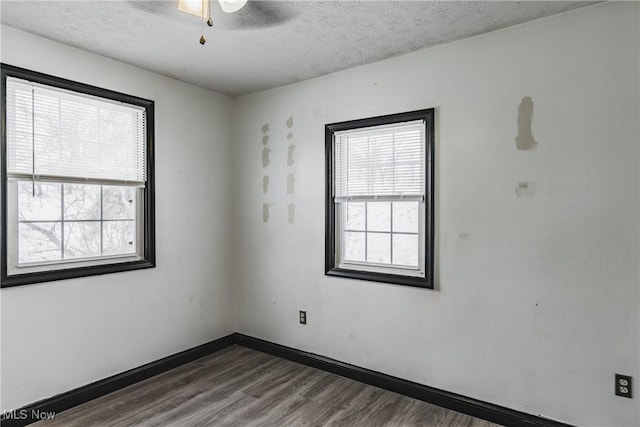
x: 466, y: 405
x: 61, y: 402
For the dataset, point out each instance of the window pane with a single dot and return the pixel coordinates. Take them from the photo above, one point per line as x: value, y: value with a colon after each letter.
x: 355, y: 216
x: 379, y: 248
x: 81, y: 202
x: 39, y: 241
x: 119, y: 202
x: 81, y: 239
x: 354, y: 246
x: 118, y: 237
x: 405, y: 249
x: 379, y: 216
x: 44, y: 205
x: 405, y: 217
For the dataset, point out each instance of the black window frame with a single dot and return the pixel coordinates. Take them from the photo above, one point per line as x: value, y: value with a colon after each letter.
x: 429, y: 227
x: 149, y: 252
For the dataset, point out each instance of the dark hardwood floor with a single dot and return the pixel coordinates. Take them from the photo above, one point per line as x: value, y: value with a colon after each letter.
x: 242, y: 387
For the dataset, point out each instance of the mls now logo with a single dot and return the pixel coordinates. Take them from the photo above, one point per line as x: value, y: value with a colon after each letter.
x: 34, y: 414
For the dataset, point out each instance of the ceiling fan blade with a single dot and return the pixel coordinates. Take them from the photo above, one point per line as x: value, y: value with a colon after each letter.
x: 258, y: 14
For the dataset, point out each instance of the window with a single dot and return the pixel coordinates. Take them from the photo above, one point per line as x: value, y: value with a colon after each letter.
x: 77, y: 179
x: 379, y: 189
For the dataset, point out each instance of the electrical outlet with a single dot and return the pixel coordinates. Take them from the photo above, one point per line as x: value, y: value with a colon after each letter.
x: 303, y: 317
x: 623, y: 386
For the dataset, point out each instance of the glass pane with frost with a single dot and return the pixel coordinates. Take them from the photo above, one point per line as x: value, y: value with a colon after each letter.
x: 81, y: 202
x: 355, y: 216
x: 379, y: 248
x: 405, y: 249
x: 81, y: 239
x: 41, y: 205
x: 39, y: 241
x: 118, y: 202
x: 379, y: 216
x: 354, y: 246
x: 405, y: 217
x: 118, y: 237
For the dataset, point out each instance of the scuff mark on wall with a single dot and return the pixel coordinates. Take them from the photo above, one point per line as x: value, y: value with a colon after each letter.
x: 265, y: 184
x: 526, y: 189
x: 265, y: 140
x: 265, y: 128
x: 266, y: 212
x: 265, y: 157
x: 292, y: 213
x: 525, y: 140
x: 291, y: 182
x: 464, y: 236
x: 289, y: 135
x: 290, y: 159
x: 290, y: 122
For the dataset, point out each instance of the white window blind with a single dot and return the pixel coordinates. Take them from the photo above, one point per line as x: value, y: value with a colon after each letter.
x: 58, y: 135
x: 381, y: 162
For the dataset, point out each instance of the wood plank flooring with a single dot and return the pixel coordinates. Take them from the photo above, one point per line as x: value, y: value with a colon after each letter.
x: 242, y: 387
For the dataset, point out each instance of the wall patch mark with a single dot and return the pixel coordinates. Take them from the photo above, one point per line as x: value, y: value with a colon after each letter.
x: 525, y: 140
x: 265, y: 128
x: 265, y: 184
x: 266, y: 212
x: 291, y: 182
x: 289, y: 135
x: 290, y: 159
x: 265, y: 139
x: 292, y: 213
x: 290, y: 122
x: 265, y: 157
x: 526, y: 189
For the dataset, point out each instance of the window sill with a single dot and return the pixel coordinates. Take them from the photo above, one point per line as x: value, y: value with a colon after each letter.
x: 71, y: 273
x: 419, y: 282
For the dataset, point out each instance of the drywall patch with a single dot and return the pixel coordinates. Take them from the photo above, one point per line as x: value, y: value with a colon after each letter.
x: 291, y: 182
x: 266, y: 212
x: 464, y: 236
x: 265, y: 184
x: 292, y: 213
x: 525, y: 140
x: 265, y: 140
x: 289, y: 135
x: 290, y: 159
x: 526, y: 189
x: 265, y: 128
x: 265, y: 157
x: 290, y: 122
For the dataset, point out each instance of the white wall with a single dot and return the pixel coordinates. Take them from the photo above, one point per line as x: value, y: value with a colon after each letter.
x: 538, y: 297
x: 60, y: 336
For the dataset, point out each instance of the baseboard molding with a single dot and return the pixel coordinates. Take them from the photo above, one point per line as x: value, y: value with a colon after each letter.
x: 61, y: 402
x: 466, y: 405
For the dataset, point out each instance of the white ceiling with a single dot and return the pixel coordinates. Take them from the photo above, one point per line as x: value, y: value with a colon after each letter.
x: 268, y: 43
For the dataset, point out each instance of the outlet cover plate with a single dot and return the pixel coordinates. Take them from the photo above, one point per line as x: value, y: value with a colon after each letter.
x: 623, y: 386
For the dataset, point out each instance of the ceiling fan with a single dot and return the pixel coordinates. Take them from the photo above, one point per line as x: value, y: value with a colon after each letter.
x: 254, y: 14
x: 202, y: 8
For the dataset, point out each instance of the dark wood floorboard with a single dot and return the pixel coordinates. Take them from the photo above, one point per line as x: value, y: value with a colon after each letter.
x: 242, y: 387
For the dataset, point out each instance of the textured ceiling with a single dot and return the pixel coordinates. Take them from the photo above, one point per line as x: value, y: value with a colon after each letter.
x: 268, y: 43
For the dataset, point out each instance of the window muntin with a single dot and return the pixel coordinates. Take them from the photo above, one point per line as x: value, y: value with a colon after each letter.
x: 77, y: 179
x: 380, y: 199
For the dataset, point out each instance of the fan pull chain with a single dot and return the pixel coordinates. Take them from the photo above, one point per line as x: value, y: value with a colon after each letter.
x: 202, y: 39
